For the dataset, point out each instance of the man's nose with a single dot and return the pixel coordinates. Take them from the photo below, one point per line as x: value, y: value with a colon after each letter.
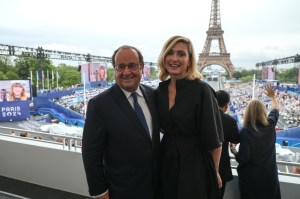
x: 126, y: 70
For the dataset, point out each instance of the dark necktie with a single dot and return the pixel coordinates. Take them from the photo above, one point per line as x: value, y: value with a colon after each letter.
x: 139, y: 112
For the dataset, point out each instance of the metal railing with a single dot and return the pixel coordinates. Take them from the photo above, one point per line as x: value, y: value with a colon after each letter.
x: 76, y: 145
x: 294, y: 164
x: 70, y: 143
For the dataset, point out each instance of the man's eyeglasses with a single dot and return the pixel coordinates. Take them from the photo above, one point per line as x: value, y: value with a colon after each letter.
x: 131, y: 67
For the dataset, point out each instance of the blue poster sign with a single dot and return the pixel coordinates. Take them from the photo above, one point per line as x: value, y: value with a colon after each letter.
x: 14, y: 111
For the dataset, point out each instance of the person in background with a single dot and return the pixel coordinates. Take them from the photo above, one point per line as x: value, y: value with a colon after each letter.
x: 25, y: 134
x: 102, y: 73
x: 120, y: 144
x: 257, y: 169
x: 296, y: 170
x: 231, y: 135
x: 190, y: 121
x: 147, y: 74
x: 17, y: 92
x: 12, y: 133
x: 3, y: 97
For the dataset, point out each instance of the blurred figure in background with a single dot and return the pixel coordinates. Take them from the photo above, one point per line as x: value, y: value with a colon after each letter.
x: 231, y: 135
x: 3, y: 97
x: 257, y: 169
x: 296, y: 170
x: 25, y: 134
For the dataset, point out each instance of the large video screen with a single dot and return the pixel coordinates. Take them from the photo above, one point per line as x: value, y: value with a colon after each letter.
x: 264, y: 73
x: 15, y: 96
x: 147, y: 74
x: 15, y: 90
x: 94, y: 72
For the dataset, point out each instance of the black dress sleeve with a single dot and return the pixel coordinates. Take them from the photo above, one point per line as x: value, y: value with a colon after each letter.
x: 233, y: 135
x: 273, y: 117
x: 210, y: 124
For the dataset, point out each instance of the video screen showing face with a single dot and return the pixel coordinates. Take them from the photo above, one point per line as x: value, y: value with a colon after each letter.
x: 15, y: 90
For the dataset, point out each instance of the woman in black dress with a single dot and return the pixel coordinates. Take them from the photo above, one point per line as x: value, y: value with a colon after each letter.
x: 190, y: 121
x: 257, y: 169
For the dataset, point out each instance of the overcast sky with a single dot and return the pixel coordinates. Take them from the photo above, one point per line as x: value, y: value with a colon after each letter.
x: 254, y: 31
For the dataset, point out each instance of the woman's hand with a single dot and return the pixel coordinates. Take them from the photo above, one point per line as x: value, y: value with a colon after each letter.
x: 219, y: 180
x: 270, y: 92
x: 233, y: 149
x: 105, y: 196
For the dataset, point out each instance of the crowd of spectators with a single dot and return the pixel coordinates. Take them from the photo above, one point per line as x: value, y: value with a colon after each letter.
x: 241, y: 94
x: 75, y: 101
x: 289, y: 102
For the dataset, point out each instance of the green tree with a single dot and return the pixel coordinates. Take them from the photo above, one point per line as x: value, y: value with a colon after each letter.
x: 7, y: 68
x: 258, y: 74
x: 153, y: 72
x: 36, y: 64
x: 69, y: 75
x: 22, y: 68
x: 288, y: 76
x: 11, y: 74
x: 237, y: 75
x: 245, y: 73
x: 246, y: 79
x: 25, y: 65
x: 5, y: 64
x: 2, y: 75
x: 110, y: 74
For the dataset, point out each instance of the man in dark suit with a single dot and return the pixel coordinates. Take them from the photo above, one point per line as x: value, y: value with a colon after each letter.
x: 231, y: 135
x: 120, y: 152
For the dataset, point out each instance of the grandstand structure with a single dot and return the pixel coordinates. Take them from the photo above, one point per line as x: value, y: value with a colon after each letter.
x: 285, y: 60
x: 40, y: 53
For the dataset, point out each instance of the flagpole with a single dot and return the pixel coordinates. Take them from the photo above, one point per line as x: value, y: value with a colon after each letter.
x: 31, y: 84
x: 43, y: 78
x: 84, y: 102
x: 253, y: 87
x: 31, y: 77
x: 52, y: 78
x: 48, y: 79
x: 37, y: 80
x: 57, y: 80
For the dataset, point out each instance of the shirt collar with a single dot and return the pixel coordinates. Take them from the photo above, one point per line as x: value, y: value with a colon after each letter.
x: 128, y: 94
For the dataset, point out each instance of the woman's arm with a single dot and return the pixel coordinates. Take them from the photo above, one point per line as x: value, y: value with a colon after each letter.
x: 270, y: 92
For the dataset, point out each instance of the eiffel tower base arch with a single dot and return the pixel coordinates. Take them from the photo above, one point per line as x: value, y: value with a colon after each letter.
x: 221, y: 60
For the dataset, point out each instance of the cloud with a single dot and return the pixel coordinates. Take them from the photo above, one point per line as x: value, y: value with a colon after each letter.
x: 254, y: 31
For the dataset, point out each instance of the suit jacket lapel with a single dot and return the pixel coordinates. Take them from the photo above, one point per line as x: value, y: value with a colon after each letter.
x: 122, y: 101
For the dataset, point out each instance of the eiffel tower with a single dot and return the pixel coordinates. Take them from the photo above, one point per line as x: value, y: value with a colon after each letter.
x: 214, y: 51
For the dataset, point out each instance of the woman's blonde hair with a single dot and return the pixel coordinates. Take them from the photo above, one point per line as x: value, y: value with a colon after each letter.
x: 256, y: 113
x: 192, y: 72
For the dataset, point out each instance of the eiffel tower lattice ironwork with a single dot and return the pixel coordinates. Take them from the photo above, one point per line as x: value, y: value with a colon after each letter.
x: 214, y: 51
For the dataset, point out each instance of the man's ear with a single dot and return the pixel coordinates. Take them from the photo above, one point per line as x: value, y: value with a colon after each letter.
x: 226, y: 107
x: 142, y: 68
